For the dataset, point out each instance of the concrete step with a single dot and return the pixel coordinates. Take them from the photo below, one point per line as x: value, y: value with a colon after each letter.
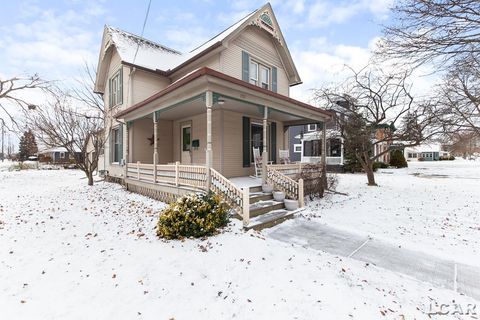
x: 260, y: 196
x: 271, y: 219
x: 263, y: 207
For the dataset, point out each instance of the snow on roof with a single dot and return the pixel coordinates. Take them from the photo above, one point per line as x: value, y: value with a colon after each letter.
x: 155, y: 56
x: 317, y: 135
x: 150, y: 55
x: 426, y: 148
x: 57, y: 149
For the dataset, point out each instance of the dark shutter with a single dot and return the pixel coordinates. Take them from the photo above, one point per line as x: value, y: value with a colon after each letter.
x: 246, y: 141
x: 120, y: 143
x: 245, y: 66
x: 120, y: 85
x: 274, y: 79
x: 273, y: 135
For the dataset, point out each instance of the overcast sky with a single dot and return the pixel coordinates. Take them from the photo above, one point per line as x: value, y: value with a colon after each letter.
x: 53, y: 38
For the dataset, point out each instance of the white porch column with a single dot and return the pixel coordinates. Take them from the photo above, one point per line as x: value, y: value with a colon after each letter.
x: 265, y: 146
x: 324, y: 143
x: 155, y: 147
x: 208, y: 150
x: 127, y: 150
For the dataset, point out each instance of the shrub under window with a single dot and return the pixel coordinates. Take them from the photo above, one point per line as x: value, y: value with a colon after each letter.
x: 193, y: 216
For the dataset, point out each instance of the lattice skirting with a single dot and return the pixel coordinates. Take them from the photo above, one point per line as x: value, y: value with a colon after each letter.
x: 163, y: 196
x: 115, y: 180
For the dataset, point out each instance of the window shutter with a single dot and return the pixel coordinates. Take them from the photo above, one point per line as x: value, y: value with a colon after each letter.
x: 274, y: 79
x: 245, y: 66
x: 273, y: 139
x: 246, y: 141
x: 110, y: 93
x: 120, y: 85
x: 120, y: 143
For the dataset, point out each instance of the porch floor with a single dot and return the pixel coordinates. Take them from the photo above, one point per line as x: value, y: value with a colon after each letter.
x: 242, y: 182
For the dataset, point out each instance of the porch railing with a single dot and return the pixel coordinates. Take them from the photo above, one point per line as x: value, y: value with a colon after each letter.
x: 334, y: 160
x: 194, y: 176
x: 175, y: 174
x: 281, y: 176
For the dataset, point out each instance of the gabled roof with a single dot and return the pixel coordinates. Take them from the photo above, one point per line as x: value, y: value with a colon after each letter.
x: 138, y: 51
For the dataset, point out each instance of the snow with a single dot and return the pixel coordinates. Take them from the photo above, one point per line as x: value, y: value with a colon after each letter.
x: 429, y: 206
x: 142, y: 52
x: 69, y: 251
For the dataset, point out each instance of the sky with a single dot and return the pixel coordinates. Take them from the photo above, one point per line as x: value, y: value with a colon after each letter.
x: 54, y: 38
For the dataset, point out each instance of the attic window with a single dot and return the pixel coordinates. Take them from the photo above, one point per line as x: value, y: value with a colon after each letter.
x: 266, y: 20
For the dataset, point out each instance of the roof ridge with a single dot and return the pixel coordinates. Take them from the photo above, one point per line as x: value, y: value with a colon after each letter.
x: 145, y: 40
x: 224, y: 30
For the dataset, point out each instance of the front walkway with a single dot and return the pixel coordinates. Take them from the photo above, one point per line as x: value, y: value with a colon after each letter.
x: 439, y: 272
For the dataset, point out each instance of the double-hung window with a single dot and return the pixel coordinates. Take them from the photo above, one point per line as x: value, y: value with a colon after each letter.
x: 259, y: 75
x: 115, y: 145
x: 116, y: 89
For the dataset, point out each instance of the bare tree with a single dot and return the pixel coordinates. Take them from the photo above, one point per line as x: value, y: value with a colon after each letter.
x: 11, y: 91
x: 438, y: 31
x: 60, y: 123
x: 377, y: 113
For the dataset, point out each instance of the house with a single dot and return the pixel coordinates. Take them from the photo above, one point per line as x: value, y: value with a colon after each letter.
x: 184, y: 122
x: 306, y: 145
x: 58, y: 155
x: 425, y: 152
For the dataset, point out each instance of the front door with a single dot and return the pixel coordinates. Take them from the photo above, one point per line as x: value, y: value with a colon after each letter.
x: 186, y: 140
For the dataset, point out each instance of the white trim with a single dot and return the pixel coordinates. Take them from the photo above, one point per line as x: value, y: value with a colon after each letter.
x: 314, y: 127
x: 297, y: 145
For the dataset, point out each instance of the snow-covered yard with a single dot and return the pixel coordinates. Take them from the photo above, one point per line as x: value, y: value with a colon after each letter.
x: 429, y: 206
x: 69, y: 251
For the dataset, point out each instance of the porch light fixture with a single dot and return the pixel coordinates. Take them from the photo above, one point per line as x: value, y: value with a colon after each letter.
x: 221, y: 101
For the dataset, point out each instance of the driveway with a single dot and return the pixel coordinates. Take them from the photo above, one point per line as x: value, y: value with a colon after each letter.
x: 439, y: 272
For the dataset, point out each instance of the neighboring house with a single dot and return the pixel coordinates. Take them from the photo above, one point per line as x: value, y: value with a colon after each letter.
x: 425, y: 152
x: 179, y: 122
x: 382, y: 143
x: 306, y: 144
x: 58, y: 155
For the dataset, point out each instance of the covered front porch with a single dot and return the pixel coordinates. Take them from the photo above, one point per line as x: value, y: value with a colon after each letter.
x: 198, y: 137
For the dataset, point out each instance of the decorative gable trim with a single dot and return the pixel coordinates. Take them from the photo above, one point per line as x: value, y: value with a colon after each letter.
x: 265, y: 22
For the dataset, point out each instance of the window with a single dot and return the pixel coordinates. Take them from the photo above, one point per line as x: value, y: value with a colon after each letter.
x: 115, y: 145
x: 312, y: 148
x: 259, y: 75
x: 186, y: 134
x: 116, y: 94
x: 254, y: 73
x: 297, y: 148
x: 335, y: 147
x: 312, y: 127
x: 256, y: 136
x: 265, y: 77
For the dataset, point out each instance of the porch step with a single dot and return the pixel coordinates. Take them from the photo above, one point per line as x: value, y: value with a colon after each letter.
x: 259, y: 196
x: 256, y: 189
x: 271, y: 219
x: 263, y: 207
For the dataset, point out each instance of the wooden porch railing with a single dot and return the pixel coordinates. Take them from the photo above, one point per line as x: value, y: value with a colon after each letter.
x: 194, y: 176
x: 175, y: 174
x: 281, y: 176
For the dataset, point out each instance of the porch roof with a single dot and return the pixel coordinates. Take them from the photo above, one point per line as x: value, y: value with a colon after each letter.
x: 207, y: 72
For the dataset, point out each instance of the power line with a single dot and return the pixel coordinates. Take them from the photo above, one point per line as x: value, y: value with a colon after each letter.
x: 143, y: 29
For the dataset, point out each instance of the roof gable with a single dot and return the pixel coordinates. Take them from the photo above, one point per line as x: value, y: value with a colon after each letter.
x: 138, y: 51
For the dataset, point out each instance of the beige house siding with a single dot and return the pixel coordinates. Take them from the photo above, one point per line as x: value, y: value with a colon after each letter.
x: 213, y: 63
x: 165, y: 141
x: 145, y: 84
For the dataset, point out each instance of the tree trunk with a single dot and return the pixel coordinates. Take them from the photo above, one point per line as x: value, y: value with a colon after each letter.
x: 90, y: 178
x: 370, y: 175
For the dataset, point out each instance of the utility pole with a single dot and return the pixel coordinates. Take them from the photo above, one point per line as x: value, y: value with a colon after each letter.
x: 3, y: 139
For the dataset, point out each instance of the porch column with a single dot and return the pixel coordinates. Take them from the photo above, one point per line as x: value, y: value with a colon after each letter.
x: 127, y: 149
x: 208, y: 150
x: 324, y: 144
x: 155, y: 147
x: 265, y: 147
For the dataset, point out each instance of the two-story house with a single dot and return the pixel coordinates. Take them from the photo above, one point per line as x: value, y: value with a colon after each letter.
x: 179, y: 122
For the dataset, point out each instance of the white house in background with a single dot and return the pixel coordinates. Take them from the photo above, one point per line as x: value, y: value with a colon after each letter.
x: 425, y: 152
x: 310, y: 147
x: 183, y: 122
